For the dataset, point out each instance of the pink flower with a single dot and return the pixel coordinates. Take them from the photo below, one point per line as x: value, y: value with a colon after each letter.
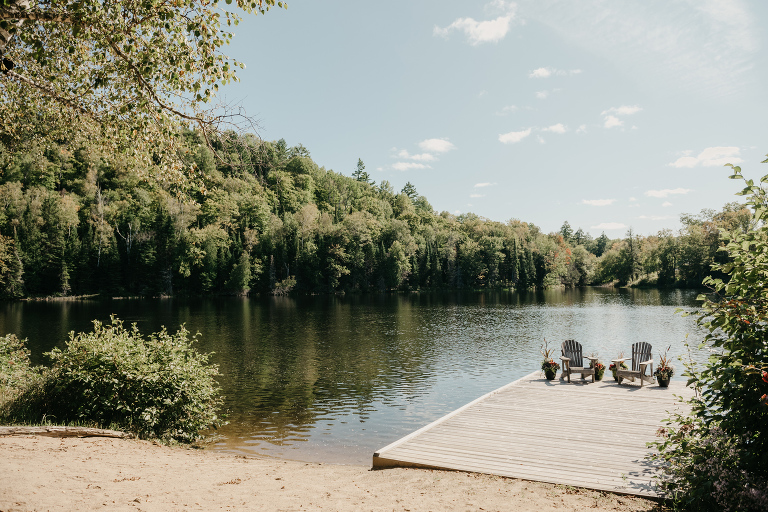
x: 765, y: 376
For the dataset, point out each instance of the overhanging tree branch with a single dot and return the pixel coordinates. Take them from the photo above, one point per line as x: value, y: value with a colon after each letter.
x: 50, y: 92
x: 36, y: 16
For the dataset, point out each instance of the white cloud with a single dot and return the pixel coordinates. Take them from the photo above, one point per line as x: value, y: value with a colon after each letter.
x: 714, y: 156
x: 542, y: 94
x: 500, y: 6
x: 556, y: 128
x: 685, y: 161
x: 485, y: 184
x: 429, y: 146
x: 513, y: 137
x: 540, y: 139
x: 607, y: 226
x: 598, y: 202
x: 407, y: 166
x: 705, y: 48
x: 666, y: 203
x: 582, y: 129
x: 612, y: 121
x: 436, y: 145
x: 476, y: 195
x: 623, y: 110
x: 507, y: 110
x: 547, y: 72
x: 491, y: 31
x: 540, y: 73
x: 656, y: 217
x: 667, y: 192
x: 422, y: 157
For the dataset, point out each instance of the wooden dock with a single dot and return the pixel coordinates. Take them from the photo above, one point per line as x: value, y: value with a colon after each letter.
x: 582, y: 434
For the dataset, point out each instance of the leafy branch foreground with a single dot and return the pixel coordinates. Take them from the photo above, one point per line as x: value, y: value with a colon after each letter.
x: 716, y: 459
x: 157, y: 386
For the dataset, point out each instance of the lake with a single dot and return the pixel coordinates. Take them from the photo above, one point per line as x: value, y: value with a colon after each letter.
x: 333, y: 379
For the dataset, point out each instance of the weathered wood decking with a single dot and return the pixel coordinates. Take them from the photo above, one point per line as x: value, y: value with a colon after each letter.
x: 582, y: 434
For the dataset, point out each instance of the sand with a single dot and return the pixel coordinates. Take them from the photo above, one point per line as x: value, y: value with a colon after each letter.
x: 51, y: 473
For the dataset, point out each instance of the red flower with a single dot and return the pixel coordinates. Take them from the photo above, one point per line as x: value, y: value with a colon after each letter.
x: 765, y: 376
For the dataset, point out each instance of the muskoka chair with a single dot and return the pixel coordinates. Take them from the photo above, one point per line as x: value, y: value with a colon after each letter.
x: 641, y: 360
x: 573, y: 360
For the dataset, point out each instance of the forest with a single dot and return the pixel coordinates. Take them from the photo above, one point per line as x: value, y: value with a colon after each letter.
x: 261, y: 217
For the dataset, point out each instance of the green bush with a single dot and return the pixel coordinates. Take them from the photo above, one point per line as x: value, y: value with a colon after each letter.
x: 716, y: 458
x: 15, y: 369
x: 155, y: 386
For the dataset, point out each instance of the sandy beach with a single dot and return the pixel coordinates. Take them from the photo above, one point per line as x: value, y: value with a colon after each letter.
x: 53, y: 473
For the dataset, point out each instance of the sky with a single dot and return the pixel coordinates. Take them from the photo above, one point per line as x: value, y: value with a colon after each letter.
x: 610, y: 115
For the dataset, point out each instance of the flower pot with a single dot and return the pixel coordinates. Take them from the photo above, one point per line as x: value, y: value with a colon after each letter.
x: 550, y: 374
x: 599, y: 375
x: 615, y: 377
x: 663, y: 382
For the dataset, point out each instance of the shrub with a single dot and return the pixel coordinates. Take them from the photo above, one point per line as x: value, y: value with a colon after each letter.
x: 716, y: 458
x: 154, y: 386
x: 15, y: 369
x: 708, y: 469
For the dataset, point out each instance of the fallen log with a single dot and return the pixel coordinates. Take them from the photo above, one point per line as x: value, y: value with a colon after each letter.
x: 55, y: 431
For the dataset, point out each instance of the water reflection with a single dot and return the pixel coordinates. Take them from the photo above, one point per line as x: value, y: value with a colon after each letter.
x: 333, y: 379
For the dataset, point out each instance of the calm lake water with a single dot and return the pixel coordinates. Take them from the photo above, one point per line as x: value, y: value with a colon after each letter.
x: 333, y: 379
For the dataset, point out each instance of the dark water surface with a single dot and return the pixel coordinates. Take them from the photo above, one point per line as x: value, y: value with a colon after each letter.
x: 333, y: 379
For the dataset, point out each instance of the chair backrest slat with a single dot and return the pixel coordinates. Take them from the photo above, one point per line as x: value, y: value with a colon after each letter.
x: 641, y: 351
x: 572, y: 350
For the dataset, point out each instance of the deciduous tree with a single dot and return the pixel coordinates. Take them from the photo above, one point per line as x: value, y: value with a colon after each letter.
x: 126, y: 71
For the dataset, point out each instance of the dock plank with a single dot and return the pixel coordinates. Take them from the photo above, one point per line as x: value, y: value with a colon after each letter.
x: 536, y: 429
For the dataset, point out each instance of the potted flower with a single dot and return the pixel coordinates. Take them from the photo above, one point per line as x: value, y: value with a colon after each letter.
x: 548, y: 365
x: 599, y: 367
x: 622, y: 366
x: 664, y: 371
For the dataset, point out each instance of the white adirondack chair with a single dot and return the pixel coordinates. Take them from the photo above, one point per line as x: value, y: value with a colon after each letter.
x: 641, y: 361
x: 573, y: 360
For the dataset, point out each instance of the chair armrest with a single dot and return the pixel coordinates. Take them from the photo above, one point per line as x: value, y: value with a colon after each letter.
x: 619, y: 361
x: 565, y: 359
x: 592, y: 358
x: 646, y: 363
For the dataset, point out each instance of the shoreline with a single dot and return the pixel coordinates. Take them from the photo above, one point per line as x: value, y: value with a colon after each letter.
x: 97, y: 473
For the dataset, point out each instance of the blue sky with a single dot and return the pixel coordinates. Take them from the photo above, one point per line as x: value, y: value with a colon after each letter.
x: 607, y: 114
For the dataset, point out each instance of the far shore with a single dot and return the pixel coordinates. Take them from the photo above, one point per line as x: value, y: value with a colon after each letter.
x: 98, y: 473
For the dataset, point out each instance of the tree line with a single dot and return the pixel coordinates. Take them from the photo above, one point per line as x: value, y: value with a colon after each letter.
x: 261, y: 217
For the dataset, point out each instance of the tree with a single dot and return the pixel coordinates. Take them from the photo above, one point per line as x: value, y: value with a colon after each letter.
x: 410, y: 191
x: 127, y: 71
x: 601, y: 244
x: 11, y: 271
x: 630, y: 258
x: 360, y: 174
x: 567, y: 231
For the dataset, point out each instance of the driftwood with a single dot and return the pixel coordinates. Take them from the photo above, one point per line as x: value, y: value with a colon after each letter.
x: 52, y: 431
